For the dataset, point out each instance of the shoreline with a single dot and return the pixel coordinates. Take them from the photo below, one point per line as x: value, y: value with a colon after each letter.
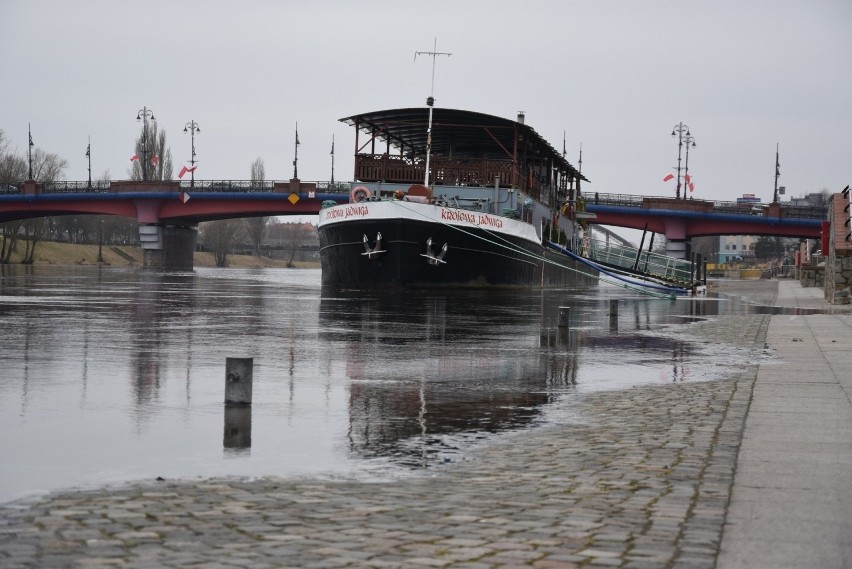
x: 69, y: 254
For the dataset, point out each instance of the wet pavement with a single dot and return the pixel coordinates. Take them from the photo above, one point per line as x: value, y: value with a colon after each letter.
x: 631, y: 477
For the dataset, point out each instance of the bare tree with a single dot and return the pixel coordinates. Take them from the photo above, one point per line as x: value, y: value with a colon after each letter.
x: 13, y: 169
x: 291, y: 237
x: 157, y: 154
x: 220, y: 237
x: 256, y: 226
x: 47, y: 167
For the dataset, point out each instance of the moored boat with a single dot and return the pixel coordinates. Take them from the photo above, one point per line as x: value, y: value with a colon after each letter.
x: 452, y: 198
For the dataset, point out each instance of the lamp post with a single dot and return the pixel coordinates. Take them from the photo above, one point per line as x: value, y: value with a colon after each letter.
x: 296, y: 155
x: 143, y: 115
x: 30, y: 152
x: 688, y: 140
x: 89, y: 157
x: 192, y: 127
x: 679, y: 130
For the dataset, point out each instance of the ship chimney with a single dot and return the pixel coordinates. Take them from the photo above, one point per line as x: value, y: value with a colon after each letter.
x: 521, y: 117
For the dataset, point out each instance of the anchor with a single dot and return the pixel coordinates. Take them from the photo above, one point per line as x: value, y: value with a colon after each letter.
x: 431, y: 257
x: 372, y: 253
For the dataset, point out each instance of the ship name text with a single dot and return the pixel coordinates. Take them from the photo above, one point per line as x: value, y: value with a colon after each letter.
x: 348, y: 211
x: 474, y: 218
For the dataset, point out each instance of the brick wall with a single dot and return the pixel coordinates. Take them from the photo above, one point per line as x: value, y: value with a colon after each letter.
x: 838, y: 264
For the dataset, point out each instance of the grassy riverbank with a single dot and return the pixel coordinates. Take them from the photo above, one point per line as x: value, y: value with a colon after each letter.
x: 53, y: 253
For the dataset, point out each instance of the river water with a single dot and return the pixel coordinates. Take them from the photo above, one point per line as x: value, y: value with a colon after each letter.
x: 110, y: 375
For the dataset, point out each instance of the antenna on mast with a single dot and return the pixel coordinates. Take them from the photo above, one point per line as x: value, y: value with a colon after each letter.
x: 430, y: 102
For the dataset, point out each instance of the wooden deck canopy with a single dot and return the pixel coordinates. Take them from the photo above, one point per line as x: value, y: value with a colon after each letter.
x: 468, y: 148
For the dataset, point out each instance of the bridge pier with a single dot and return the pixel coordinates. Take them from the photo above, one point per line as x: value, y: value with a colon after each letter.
x: 677, y: 244
x: 167, y: 247
x: 677, y: 248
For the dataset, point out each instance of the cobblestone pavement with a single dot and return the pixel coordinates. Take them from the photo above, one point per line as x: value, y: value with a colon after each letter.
x: 642, y: 480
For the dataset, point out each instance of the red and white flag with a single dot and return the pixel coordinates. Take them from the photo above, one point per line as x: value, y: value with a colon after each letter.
x: 687, y: 178
x: 155, y: 159
x: 186, y: 170
x: 134, y: 157
x: 668, y: 177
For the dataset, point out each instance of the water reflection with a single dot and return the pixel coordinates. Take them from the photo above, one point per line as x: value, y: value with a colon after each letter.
x: 116, y: 374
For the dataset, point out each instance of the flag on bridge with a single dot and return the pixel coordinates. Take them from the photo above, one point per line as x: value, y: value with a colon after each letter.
x: 668, y: 177
x: 134, y: 157
x: 155, y: 159
x: 185, y: 170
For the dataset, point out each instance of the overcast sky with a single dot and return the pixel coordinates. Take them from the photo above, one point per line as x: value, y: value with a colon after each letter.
x: 614, y: 76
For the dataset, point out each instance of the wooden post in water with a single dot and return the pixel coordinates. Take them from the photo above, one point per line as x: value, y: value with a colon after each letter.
x: 237, y: 432
x: 238, y: 378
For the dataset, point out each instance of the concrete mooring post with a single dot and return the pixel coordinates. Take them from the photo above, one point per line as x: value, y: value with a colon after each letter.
x: 238, y: 378
x: 564, y: 313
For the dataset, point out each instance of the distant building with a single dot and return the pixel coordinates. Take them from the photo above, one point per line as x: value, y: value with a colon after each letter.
x: 736, y: 248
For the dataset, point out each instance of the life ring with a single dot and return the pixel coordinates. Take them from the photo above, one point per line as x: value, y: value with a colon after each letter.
x: 359, y: 194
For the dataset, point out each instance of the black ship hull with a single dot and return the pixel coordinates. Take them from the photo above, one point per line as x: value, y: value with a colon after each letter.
x: 402, y: 250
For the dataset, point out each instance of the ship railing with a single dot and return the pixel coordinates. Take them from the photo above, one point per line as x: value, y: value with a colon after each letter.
x: 472, y: 204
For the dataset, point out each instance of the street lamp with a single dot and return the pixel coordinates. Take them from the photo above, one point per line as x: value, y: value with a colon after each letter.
x: 679, y: 130
x: 30, y: 152
x: 89, y: 157
x: 143, y: 115
x: 688, y: 140
x: 192, y: 127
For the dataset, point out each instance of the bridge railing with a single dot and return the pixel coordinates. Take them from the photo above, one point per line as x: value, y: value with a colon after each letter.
x: 228, y: 185
x: 625, y: 200
x: 104, y: 186
x: 629, y: 200
x: 97, y: 186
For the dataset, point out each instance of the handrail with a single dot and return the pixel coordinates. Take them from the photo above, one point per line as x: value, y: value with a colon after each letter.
x: 104, y: 186
x: 650, y: 264
x: 637, y: 201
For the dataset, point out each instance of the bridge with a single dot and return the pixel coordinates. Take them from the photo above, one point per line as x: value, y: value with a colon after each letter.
x: 681, y: 219
x: 168, y: 211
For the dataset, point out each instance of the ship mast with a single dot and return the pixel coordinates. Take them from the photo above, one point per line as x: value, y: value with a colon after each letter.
x: 430, y: 102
